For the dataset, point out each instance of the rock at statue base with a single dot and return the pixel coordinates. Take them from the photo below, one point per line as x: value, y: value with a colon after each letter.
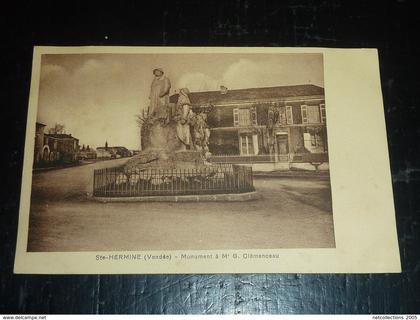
x: 161, y: 159
x: 162, y: 150
x: 161, y: 136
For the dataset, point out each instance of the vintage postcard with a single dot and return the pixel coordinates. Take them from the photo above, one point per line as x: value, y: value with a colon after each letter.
x: 206, y: 160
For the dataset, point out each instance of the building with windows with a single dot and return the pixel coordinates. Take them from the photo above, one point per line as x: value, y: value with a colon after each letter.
x: 114, y: 152
x: 61, y: 147
x: 87, y: 153
x: 57, y: 148
x: 283, y: 125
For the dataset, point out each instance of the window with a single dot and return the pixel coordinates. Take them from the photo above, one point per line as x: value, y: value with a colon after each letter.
x: 236, y: 117
x: 289, y: 115
x: 244, y: 116
x: 304, y: 111
x: 310, y: 114
x: 282, y: 116
x: 313, y: 138
x: 313, y: 114
x: 253, y: 112
x: 247, y: 145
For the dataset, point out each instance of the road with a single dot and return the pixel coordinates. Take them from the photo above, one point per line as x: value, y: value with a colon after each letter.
x: 292, y: 213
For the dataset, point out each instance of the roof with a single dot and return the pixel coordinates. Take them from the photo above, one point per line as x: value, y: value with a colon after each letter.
x: 252, y: 94
x: 112, y: 147
x: 60, y: 136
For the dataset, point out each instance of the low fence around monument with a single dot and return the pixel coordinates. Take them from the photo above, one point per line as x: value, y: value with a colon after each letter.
x: 217, y: 179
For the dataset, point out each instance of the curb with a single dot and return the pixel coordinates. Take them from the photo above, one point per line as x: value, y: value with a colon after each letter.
x: 293, y: 174
x: 234, y: 197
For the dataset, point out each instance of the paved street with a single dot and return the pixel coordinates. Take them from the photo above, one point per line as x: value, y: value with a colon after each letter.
x: 293, y: 213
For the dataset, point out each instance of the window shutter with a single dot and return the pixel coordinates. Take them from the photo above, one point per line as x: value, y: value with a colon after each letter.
x: 323, y: 114
x: 235, y: 117
x: 254, y: 116
x: 304, y: 111
x: 289, y: 115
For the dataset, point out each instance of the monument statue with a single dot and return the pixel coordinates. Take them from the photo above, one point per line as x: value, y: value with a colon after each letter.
x: 159, y: 94
x: 174, y: 156
x: 183, y: 117
x: 201, y: 133
x: 173, y: 135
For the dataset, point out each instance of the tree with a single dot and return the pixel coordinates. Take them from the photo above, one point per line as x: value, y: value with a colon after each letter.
x: 57, y: 129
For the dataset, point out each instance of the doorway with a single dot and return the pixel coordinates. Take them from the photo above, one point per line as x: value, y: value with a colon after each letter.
x: 282, y: 146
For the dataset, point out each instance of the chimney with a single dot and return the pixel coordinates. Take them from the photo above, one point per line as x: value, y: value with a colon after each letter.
x: 223, y: 90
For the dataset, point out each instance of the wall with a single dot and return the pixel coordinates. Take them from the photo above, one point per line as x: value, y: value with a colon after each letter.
x: 224, y: 142
x: 221, y: 116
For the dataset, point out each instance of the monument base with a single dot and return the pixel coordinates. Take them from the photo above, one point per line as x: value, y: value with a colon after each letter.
x: 161, y: 159
x: 230, y: 197
x: 163, y: 149
x: 168, y: 170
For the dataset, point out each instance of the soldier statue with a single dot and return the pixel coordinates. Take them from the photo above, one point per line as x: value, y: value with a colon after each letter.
x: 159, y: 95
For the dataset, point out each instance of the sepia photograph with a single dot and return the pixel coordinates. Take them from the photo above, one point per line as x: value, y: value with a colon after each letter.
x: 205, y: 160
x: 210, y: 158
x: 180, y: 151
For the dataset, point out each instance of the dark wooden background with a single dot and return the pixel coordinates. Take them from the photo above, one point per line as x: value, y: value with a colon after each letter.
x: 391, y: 26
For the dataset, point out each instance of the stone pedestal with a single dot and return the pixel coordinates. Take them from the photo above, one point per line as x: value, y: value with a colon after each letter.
x: 160, y: 135
x: 161, y: 159
x: 162, y: 149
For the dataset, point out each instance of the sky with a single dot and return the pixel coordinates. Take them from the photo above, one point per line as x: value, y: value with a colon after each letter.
x: 98, y: 96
